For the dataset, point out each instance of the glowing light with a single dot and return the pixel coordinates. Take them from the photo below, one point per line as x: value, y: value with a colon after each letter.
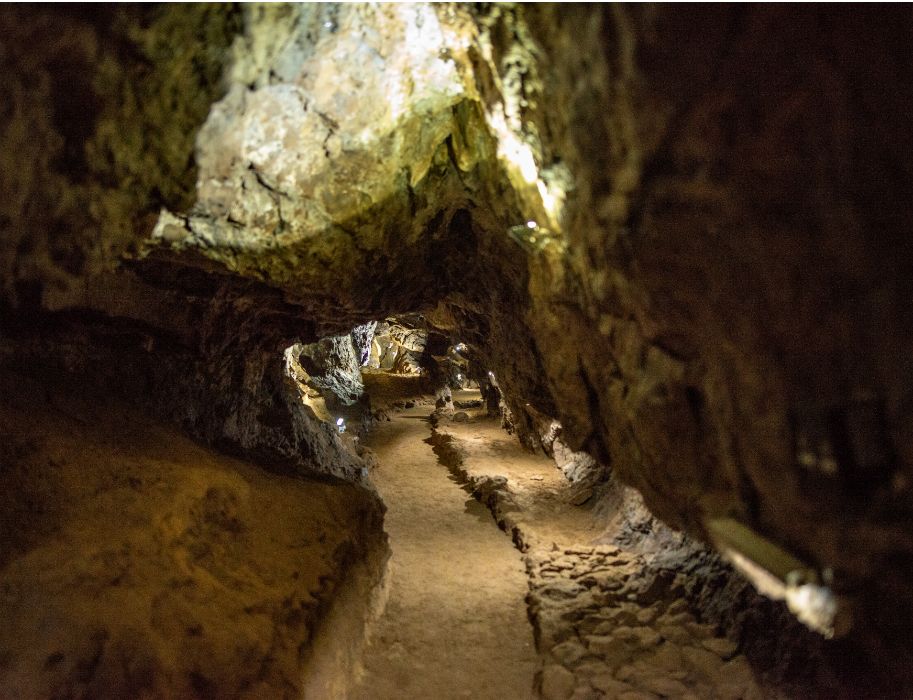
x: 521, y: 162
x: 340, y: 421
x: 777, y: 574
x: 549, y: 201
x: 531, y: 224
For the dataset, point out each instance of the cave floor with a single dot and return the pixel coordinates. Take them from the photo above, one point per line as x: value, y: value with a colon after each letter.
x: 607, y: 625
x: 455, y: 622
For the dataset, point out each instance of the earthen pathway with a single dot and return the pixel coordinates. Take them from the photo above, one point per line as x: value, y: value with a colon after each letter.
x: 455, y: 622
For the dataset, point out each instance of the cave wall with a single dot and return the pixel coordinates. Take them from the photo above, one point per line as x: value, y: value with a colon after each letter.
x: 100, y: 115
x: 734, y: 276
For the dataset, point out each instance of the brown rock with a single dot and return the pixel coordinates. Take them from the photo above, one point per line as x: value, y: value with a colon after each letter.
x: 700, y: 631
x: 676, y: 634
x: 557, y: 682
x: 568, y: 653
x: 610, y: 687
x: 703, y: 661
x: 720, y: 646
x: 663, y: 686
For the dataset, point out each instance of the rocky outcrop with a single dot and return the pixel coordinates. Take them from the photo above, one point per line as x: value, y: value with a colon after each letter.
x: 398, y: 348
x: 102, y: 109
x: 137, y: 563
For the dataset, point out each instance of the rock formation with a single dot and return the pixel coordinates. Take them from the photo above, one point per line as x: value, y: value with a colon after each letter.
x: 679, y: 235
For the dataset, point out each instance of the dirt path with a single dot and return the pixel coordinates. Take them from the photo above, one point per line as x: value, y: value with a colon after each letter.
x: 455, y: 623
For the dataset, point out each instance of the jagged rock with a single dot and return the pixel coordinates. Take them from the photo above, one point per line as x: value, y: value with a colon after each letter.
x: 362, y: 337
x: 333, y: 368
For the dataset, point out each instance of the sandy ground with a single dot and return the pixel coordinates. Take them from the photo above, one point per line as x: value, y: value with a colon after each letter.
x: 455, y: 623
x: 539, y: 494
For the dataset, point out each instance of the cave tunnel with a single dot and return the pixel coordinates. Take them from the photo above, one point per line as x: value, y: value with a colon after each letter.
x: 459, y: 350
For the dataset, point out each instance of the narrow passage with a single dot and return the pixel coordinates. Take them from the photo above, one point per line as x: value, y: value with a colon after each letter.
x: 455, y: 624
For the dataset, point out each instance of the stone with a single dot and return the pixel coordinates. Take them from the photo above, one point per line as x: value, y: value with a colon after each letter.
x: 625, y: 614
x: 676, y: 619
x: 609, y: 686
x: 647, y: 615
x: 584, y: 692
x: 579, y: 551
x: 622, y: 643
x: 562, y: 589
x: 735, y: 680
x: 700, y: 631
x: 703, y: 661
x: 569, y: 653
x: 677, y: 606
x: 642, y: 637
x: 581, y: 496
x: 665, y: 687
x: 720, y: 646
x: 604, y: 644
x: 678, y: 635
x: 668, y: 657
x: 460, y: 417
x: 557, y: 682
x: 589, y: 668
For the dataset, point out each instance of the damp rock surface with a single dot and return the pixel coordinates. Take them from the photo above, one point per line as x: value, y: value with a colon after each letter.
x: 136, y: 562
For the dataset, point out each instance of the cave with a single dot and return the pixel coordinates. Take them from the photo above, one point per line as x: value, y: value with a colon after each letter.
x: 459, y: 350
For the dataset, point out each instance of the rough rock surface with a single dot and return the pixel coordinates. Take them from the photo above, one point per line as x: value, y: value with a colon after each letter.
x: 682, y: 235
x: 397, y: 347
x: 97, y: 133
x: 333, y: 368
x: 607, y: 566
x: 211, y: 581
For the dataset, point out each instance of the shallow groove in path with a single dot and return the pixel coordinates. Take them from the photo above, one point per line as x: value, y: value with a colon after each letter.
x: 455, y: 623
